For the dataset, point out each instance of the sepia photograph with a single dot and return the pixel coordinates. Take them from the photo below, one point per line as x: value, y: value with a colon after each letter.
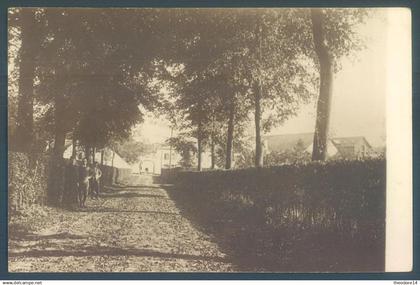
x: 202, y: 139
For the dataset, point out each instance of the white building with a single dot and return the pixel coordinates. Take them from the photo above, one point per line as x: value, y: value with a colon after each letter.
x: 163, y: 157
x: 166, y: 157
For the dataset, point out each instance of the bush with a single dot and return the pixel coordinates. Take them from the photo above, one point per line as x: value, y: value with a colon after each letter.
x: 334, y: 211
x: 27, y: 181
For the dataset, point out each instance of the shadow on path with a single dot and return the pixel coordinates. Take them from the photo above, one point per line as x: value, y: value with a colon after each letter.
x: 113, y: 251
x: 131, y: 194
x: 135, y: 203
x: 115, y: 187
x: 222, y: 232
x: 116, y: 211
x: 28, y: 236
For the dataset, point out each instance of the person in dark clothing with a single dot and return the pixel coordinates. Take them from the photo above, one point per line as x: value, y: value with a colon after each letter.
x: 72, y: 182
x: 95, y: 180
x: 85, y: 173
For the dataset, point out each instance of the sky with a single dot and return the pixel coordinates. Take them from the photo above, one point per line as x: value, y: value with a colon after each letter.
x: 358, y: 104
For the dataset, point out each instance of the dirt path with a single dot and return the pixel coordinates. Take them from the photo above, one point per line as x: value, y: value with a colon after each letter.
x: 129, y: 229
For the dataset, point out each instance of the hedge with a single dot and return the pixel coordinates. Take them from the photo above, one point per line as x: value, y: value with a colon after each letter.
x: 335, y: 209
x: 169, y: 174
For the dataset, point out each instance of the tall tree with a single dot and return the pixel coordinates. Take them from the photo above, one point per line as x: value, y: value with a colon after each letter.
x: 273, y: 65
x: 185, y: 147
x: 29, y: 22
x: 90, y: 72
x: 230, y: 130
x: 258, y: 55
x: 258, y: 85
x: 193, y: 101
x: 325, y: 89
x: 333, y: 34
x: 207, y: 74
x: 89, y: 78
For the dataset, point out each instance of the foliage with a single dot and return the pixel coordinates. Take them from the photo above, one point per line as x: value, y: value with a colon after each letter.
x: 293, y: 156
x: 101, y: 86
x: 27, y: 181
x: 268, y: 48
x: 205, y: 89
x: 131, y: 150
x: 248, y: 48
x: 186, y: 148
x: 87, y: 85
x: 340, y: 32
x: 286, y: 157
x: 90, y: 86
x: 243, y: 155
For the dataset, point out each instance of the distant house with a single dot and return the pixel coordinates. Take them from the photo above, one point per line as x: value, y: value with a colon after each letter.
x: 343, y: 147
x: 282, y: 143
x: 168, y: 157
x: 290, y: 142
x: 353, y: 147
x: 164, y: 157
x: 147, y: 164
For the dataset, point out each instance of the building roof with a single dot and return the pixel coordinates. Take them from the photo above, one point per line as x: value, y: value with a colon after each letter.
x: 287, y: 141
x: 350, y: 141
x: 119, y: 162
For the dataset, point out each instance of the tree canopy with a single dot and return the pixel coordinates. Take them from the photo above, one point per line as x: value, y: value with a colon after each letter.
x: 92, y: 73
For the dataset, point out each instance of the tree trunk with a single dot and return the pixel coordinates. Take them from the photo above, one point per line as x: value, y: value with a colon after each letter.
x: 73, y: 152
x: 199, y: 148
x: 88, y: 152
x: 170, y: 149
x: 94, y: 154
x: 213, y: 143
x: 24, y: 135
x: 102, y: 157
x: 229, y: 143
x: 213, y: 154
x: 199, y: 154
x: 59, y: 143
x: 60, y: 130
x: 257, y: 98
x: 325, y: 91
x: 56, y: 174
x: 258, y: 146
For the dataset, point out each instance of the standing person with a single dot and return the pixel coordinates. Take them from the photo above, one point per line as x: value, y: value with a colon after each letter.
x: 84, y: 177
x: 91, y: 174
x: 97, y: 174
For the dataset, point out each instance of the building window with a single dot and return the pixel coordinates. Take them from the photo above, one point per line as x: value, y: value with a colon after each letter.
x: 166, y: 156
